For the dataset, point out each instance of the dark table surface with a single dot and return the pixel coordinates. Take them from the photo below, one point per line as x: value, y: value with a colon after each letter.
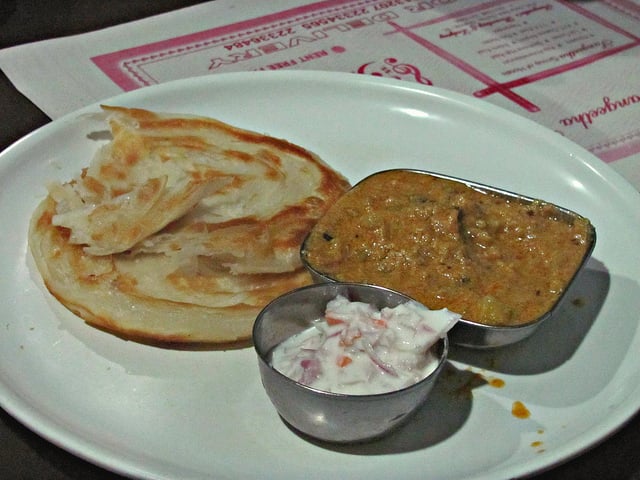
x: 25, y: 455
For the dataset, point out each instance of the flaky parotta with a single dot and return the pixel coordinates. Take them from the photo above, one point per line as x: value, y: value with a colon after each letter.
x: 181, y: 228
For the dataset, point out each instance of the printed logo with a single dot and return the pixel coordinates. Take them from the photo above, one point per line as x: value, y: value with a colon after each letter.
x: 391, y: 68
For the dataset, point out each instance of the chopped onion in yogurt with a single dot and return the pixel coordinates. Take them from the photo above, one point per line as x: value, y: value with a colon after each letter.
x: 360, y: 350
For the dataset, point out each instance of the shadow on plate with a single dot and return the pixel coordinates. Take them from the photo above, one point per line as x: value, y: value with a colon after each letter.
x: 557, y: 338
x: 443, y: 414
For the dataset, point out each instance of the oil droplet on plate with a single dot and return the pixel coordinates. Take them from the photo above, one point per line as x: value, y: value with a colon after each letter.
x: 519, y: 410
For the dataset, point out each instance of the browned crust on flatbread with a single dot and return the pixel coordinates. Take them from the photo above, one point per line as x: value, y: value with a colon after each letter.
x: 169, y: 296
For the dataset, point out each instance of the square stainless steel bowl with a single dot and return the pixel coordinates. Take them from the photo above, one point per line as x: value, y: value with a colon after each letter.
x: 357, y: 236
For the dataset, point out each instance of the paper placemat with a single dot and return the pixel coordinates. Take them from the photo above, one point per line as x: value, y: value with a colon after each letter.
x: 573, y: 67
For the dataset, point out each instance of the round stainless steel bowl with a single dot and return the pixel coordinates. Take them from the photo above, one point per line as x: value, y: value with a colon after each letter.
x: 326, y: 416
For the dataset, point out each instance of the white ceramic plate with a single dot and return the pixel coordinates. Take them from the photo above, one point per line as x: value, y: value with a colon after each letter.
x: 154, y: 413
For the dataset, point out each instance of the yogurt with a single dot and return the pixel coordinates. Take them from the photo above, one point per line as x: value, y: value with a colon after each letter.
x: 359, y: 350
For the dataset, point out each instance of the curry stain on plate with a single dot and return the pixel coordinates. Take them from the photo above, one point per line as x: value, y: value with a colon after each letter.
x: 538, y: 444
x: 519, y: 410
x: 579, y: 302
x: 496, y: 382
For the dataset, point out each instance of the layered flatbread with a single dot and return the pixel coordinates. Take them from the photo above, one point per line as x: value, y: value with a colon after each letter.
x: 181, y: 228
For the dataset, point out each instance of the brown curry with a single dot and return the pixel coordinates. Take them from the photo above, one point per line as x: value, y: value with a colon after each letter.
x: 495, y: 259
